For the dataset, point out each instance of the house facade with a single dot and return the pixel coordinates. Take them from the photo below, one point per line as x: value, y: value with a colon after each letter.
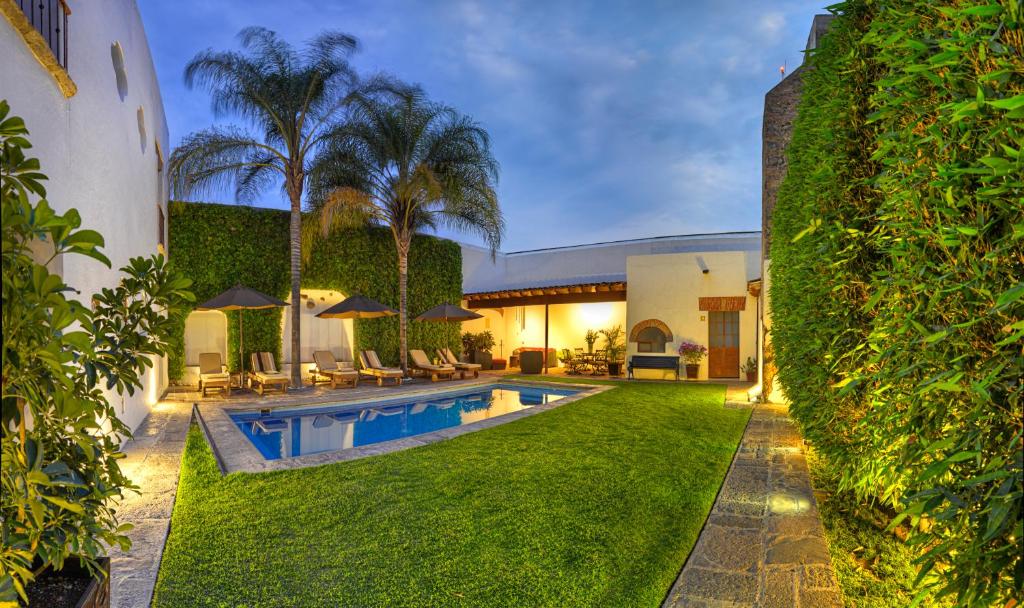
x: 81, y: 76
x: 700, y: 288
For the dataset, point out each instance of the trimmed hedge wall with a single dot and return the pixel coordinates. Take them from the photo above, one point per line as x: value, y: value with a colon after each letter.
x: 897, y: 268
x: 221, y: 245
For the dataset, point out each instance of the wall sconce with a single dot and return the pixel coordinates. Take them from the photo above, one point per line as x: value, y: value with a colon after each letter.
x: 702, y: 265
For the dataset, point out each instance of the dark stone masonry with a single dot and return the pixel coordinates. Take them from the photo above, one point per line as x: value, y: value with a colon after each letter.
x: 780, y: 105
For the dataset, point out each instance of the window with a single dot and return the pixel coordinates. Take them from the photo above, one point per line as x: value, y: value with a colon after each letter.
x: 50, y: 19
x: 120, y: 71
x: 161, y: 237
x: 159, y: 157
x: 651, y: 340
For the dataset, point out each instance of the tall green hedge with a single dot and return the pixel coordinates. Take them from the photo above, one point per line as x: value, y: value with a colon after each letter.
x: 221, y: 245
x: 898, y: 276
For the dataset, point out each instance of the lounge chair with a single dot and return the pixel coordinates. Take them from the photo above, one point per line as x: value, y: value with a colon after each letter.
x: 446, y: 355
x: 213, y: 374
x: 371, y: 366
x: 335, y: 373
x: 264, y: 373
x: 421, y: 364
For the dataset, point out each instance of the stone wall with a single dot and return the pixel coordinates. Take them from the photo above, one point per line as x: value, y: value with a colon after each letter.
x: 780, y: 106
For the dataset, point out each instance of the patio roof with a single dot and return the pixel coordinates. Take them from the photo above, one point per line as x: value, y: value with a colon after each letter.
x: 575, y: 293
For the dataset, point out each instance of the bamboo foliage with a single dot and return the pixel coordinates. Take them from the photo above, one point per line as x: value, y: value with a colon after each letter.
x: 897, y: 277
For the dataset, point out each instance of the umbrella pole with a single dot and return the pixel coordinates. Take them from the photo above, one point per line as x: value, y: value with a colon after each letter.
x: 241, y: 351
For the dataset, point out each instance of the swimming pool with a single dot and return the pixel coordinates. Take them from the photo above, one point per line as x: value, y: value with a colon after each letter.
x: 296, y: 432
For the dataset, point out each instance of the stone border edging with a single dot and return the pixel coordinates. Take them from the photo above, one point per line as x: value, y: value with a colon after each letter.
x: 762, y: 544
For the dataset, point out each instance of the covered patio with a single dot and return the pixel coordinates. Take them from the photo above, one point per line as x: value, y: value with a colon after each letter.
x: 547, y: 317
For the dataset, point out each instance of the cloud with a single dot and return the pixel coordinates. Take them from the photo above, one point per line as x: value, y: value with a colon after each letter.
x: 611, y: 123
x: 771, y: 25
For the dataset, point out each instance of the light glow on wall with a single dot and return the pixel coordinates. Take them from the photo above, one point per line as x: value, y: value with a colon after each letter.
x: 152, y: 384
x: 596, y: 315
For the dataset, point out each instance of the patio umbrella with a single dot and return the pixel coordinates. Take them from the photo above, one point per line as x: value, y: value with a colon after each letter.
x: 358, y: 307
x: 448, y: 313
x: 241, y: 298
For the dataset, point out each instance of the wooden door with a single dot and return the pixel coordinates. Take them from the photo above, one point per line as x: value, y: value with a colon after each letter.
x: 723, y: 344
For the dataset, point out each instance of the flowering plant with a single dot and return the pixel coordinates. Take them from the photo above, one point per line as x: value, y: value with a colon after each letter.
x: 692, y: 353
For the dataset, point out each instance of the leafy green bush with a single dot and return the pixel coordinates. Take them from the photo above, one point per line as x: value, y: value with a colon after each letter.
x: 897, y: 272
x: 221, y: 245
x: 60, y: 434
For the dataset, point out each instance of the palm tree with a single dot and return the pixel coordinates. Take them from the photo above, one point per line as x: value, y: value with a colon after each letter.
x: 408, y: 164
x: 291, y: 101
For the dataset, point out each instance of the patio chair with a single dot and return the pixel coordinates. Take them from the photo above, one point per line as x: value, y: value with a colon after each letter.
x: 600, y: 362
x: 264, y: 373
x: 421, y: 364
x: 213, y: 374
x: 446, y: 355
x: 335, y: 373
x: 371, y: 366
x: 572, y: 363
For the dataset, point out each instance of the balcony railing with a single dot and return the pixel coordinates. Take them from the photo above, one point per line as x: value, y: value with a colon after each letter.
x: 50, y: 18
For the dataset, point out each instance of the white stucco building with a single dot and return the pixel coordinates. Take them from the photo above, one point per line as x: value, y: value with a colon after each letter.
x: 700, y: 288
x: 80, y: 74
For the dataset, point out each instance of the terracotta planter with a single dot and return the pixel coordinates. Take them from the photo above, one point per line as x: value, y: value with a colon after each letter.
x: 614, y: 368
x: 692, y: 371
x: 752, y: 376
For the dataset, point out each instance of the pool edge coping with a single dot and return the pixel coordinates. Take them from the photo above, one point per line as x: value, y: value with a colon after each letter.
x: 236, y: 454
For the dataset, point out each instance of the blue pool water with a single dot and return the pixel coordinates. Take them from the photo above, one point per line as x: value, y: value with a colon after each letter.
x: 295, y: 432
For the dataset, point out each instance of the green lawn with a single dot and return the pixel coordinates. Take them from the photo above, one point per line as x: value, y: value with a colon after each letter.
x: 597, y: 502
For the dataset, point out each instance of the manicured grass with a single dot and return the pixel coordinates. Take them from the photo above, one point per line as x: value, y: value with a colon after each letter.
x: 597, y: 502
x: 873, y: 566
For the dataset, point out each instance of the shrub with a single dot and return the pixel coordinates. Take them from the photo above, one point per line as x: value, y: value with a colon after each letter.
x: 60, y: 435
x: 896, y: 287
x: 221, y: 245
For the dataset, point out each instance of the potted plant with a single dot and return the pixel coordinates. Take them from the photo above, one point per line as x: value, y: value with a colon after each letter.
x: 615, y: 346
x: 591, y: 339
x: 60, y: 434
x: 468, y: 344
x: 692, y: 353
x: 750, y: 369
x: 483, y: 343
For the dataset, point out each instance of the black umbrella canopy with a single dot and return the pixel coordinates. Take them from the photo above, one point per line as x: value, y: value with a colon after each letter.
x: 358, y: 307
x: 448, y: 313
x: 241, y: 297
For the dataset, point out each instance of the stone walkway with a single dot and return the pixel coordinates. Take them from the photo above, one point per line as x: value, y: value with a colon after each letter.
x: 152, y: 463
x: 763, y: 544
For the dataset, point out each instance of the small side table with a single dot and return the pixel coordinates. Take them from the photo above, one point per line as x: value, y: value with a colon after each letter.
x: 238, y: 380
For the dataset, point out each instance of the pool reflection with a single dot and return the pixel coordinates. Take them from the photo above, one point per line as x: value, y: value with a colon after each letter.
x: 289, y: 433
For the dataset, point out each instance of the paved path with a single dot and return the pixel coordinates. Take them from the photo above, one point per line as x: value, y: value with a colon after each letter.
x: 152, y: 463
x: 763, y: 544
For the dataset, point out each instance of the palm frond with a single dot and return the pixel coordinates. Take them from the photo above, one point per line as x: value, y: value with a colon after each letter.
x: 213, y: 159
